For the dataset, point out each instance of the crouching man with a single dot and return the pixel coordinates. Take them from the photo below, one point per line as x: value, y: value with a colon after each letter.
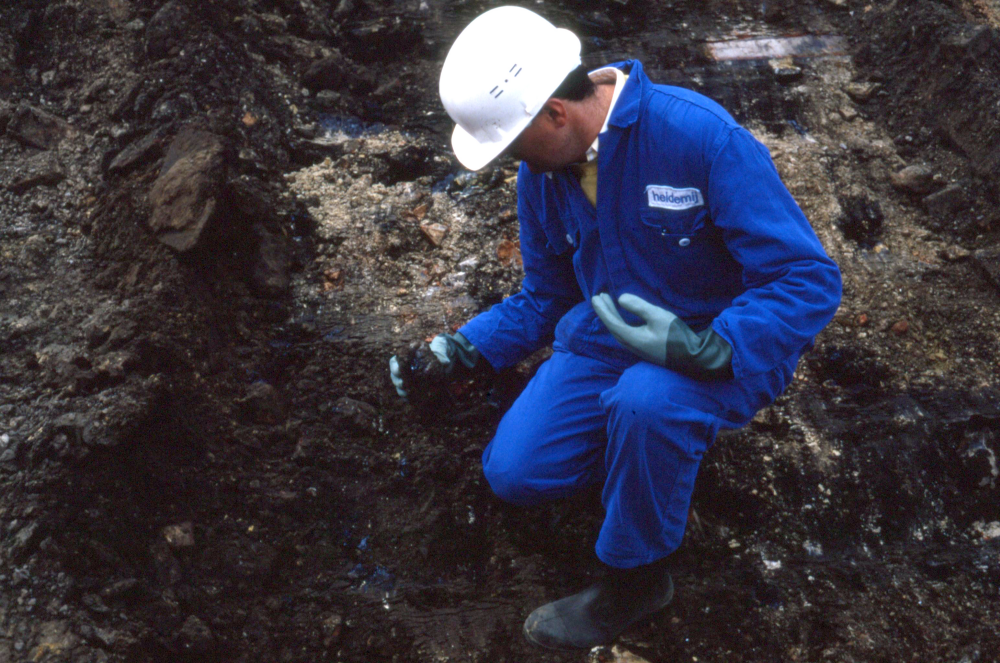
x: 670, y: 268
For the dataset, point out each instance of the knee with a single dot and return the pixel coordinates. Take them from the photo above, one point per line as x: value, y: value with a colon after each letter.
x: 508, y: 480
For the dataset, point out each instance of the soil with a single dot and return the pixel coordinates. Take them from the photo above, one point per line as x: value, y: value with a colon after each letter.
x: 219, y: 220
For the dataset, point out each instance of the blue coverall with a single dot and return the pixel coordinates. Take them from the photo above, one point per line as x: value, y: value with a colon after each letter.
x: 691, y: 216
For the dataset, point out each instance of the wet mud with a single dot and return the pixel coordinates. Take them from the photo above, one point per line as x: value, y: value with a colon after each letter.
x: 201, y: 455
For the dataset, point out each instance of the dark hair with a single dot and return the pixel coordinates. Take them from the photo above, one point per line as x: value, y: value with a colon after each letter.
x: 577, y: 86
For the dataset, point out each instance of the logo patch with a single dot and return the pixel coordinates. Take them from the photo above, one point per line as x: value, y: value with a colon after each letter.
x: 667, y: 197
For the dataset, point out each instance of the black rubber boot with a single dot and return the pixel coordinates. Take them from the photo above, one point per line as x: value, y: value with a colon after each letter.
x: 599, y: 613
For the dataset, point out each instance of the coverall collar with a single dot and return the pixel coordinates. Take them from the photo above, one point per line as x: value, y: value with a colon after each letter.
x: 626, y: 110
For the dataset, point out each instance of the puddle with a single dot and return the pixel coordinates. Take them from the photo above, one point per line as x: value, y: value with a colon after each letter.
x: 767, y: 48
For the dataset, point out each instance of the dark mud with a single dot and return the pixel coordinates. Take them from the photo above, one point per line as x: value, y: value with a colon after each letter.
x: 202, y: 458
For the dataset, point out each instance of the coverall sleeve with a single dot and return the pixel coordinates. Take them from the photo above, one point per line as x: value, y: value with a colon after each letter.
x: 793, y: 287
x: 525, y: 322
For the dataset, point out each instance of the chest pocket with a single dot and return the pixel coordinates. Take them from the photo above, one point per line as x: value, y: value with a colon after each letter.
x: 674, y: 229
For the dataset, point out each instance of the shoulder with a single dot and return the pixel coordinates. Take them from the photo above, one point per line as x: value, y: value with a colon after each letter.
x: 681, y: 115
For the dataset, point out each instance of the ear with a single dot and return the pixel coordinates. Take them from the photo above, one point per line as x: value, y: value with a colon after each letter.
x: 556, y: 112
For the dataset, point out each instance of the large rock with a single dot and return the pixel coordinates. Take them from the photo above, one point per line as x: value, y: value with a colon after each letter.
x: 185, y: 197
x: 36, y: 128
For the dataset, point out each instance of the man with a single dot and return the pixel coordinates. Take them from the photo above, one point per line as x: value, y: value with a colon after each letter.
x: 654, y: 198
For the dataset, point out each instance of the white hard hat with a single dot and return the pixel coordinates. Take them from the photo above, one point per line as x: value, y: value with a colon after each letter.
x: 498, y: 74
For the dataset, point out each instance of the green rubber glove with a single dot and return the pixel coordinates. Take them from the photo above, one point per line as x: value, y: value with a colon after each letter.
x: 451, y: 351
x: 665, y: 339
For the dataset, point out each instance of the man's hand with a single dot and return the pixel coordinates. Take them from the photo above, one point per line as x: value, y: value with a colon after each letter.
x: 448, y: 353
x: 665, y: 339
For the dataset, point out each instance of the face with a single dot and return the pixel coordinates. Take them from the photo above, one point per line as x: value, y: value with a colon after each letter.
x: 545, y: 144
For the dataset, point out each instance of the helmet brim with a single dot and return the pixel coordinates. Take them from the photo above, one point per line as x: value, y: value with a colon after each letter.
x: 475, y: 155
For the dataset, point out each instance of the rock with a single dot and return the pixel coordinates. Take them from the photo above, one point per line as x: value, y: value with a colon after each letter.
x: 948, y: 200
x: 849, y: 113
x: 973, y: 40
x: 329, y: 73
x: 142, y: 152
x: 168, y: 569
x: 336, y: 72
x: 185, y: 196
x: 918, y: 179
x: 95, y: 604
x: 327, y: 98
x: 861, y: 92
x: 35, y: 250
x: 332, y: 627
x: 263, y: 404
x: 354, y: 414
x: 42, y: 169
x: 435, y: 232
x: 785, y: 70
x: 115, y: 365
x: 979, y: 461
x: 270, y: 272
x: 166, y: 30
x: 509, y: 252
x: 988, y: 260
x: 6, y: 112
x: 194, y: 637
x: 23, y: 543
x: 954, y: 253
x: 121, y: 589
x: 179, y: 536
x: 862, y: 219
x: 55, y: 640
x: 900, y: 327
x: 36, y: 128
x: 77, y: 428
x: 615, y: 654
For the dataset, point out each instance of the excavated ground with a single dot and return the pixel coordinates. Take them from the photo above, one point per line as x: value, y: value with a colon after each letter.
x: 218, y: 219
